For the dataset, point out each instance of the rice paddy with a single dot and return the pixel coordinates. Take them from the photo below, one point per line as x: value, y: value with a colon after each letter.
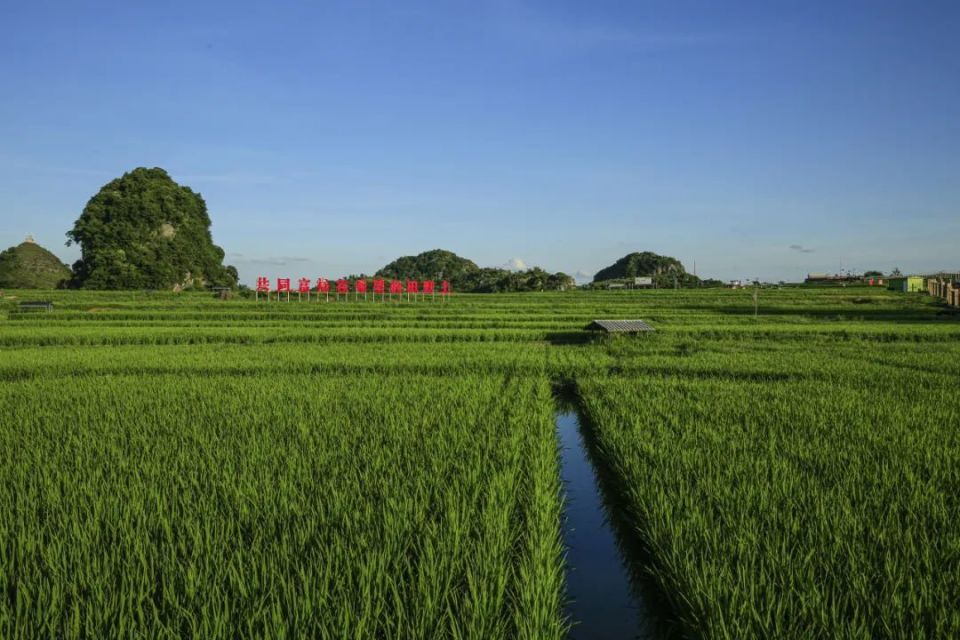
x: 176, y: 465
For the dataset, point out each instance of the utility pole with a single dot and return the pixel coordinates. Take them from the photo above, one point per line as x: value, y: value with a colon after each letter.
x: 756, y: 301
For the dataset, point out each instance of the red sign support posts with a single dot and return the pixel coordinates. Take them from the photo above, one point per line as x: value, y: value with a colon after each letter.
x: 263, y: 286
x: 360, y: 286
x: 283, y: 285
x: 414, y: 288
x: 396, y: 287
x: 342, y: 287
x: 428, y: 288
x: 444, y: 290
x: 303, y: 287
x: 378, y: 288
x: 323, y: 286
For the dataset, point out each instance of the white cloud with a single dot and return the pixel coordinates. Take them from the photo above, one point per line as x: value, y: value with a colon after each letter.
x: 583, y: 276
x: 515, y: 264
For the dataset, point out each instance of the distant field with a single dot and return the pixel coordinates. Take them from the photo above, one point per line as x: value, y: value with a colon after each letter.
x: 176, y: 465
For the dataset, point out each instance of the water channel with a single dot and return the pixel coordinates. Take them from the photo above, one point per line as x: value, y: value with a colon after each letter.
x: 605, y: 600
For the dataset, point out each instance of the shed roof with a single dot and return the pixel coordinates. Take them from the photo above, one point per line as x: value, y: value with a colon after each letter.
x: 620, y: 326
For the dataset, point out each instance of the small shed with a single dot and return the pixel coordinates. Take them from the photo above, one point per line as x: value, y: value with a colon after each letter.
x: 35, y: 305
x: 906, y: 284
x: 620, y: 326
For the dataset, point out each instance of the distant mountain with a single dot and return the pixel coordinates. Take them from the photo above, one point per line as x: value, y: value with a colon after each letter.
x: 465, y: 276
x: 30, y: 266
x: 640, y: 264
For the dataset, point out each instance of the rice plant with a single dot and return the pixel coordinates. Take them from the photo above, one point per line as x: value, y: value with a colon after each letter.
x: 173, y: 465
x: 299, y: 505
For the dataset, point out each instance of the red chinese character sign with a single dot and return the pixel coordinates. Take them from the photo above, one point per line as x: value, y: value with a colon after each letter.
x: 412, y: 287
x: 396, y: 287
x: 344, y: 287
x: 283, y: 286
x: 263, y: 286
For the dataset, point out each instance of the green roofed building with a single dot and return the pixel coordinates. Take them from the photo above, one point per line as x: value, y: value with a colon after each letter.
x: 907, y: 284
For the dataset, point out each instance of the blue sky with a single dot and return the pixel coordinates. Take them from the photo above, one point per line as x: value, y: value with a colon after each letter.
x: 760, y: 139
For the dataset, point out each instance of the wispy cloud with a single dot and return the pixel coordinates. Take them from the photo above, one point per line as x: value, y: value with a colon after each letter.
x: 231, y: 178
x: 801, y: 249
x: 588, y: 37
x: 273, y: 261
x: 11, y: 162
x: 533, y: 26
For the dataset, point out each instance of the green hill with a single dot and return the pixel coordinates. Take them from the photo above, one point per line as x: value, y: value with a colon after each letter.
x: 30, y: 266
x: 665, y: 271
x: 466, y: 277
x: 640, y: 264
x: 436, y: 264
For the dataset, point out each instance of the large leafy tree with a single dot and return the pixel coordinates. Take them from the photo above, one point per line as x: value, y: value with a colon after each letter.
x: 143, y: 230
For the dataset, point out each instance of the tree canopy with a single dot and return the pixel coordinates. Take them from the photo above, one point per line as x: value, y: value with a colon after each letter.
x: 143, y: 230
x: 30, y: 266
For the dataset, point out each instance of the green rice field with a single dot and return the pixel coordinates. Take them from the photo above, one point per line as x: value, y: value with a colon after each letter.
x: 174, y: 465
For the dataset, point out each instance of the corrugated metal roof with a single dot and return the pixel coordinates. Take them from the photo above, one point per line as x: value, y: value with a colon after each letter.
x: 620, y: 326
